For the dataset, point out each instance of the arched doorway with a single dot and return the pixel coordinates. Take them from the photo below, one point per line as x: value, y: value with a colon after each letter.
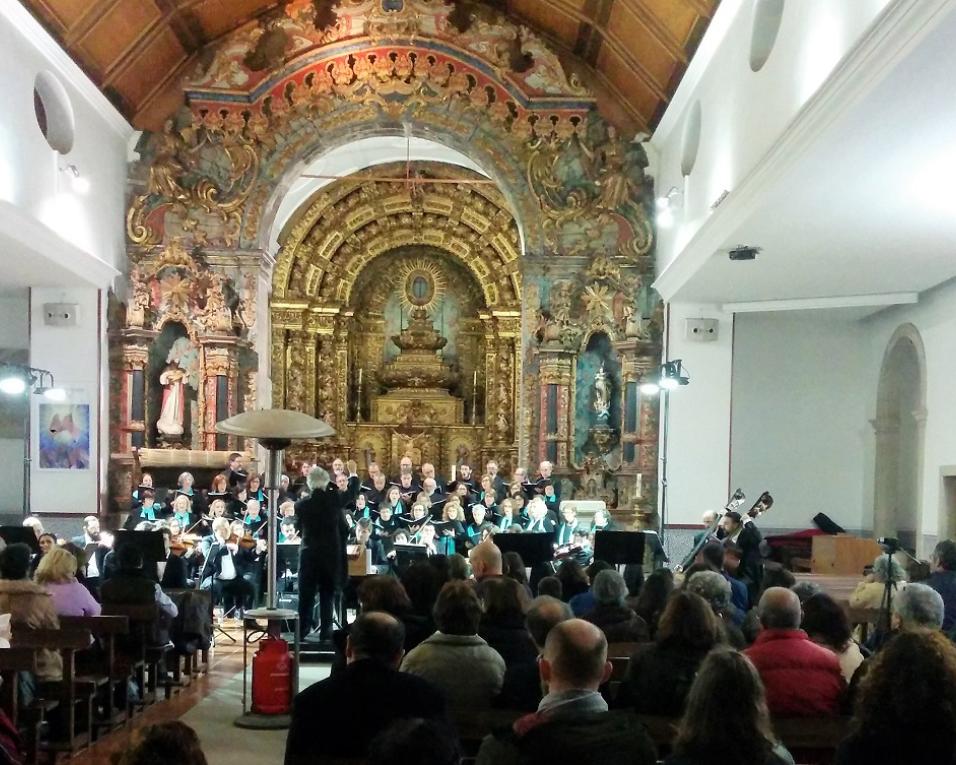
x: 899, y: 426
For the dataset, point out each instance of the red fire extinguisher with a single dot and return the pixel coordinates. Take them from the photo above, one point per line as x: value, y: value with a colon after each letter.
x: 272, y: 678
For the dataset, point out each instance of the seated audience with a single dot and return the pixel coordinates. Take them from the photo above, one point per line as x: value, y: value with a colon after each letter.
x: 326, y: 717
x: 502, y: 623
x: 805, y: 589
x: 57, y: 574
x: 455, y: 659
x: 168, y: 743
x: 943, y: 580
x: 618, y: 622
x: 29, y: 605
x: 422, y: 584
x: 652, y: 599
x: 801, y: 678
x: 522, y: 685
x: 869, y: 592
x: 905, y: 710
x: 712, y: 553
x: 418, y: 741
x: 551, y: 586
x: 659, y: 676
x: 514, y: 568
x: 918, y: 607
x: 458, y: 567
x: 726, y: 721
x: 826, y: 623
x: 572, y: 723
x: 130, y: 586
x: 486, y: 564
x: 713, y: 588
x: 574, y: 581
x: 583, y: 604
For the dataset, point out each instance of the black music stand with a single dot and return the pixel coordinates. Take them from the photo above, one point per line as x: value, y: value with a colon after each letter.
x: 619, y: 547
x: 149, y: 543
x: 534, y: 548
x: 23, y: 535
x: 406, y: 555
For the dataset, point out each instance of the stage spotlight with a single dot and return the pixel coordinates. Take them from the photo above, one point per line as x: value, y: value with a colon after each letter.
x: 650, y: 388
x: 53, y: 394
x: 13, y: 386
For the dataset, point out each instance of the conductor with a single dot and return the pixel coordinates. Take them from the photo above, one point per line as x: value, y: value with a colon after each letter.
x: 324, y: 532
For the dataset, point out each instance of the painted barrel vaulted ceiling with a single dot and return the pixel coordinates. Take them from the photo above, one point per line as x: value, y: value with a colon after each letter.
x: 632, y: 52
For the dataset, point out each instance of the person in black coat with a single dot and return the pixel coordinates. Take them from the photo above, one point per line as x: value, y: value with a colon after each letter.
x: 324, y: 530
x: 324, y: 715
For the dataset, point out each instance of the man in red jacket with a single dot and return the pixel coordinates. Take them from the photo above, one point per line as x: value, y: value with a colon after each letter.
x: 802, y: 679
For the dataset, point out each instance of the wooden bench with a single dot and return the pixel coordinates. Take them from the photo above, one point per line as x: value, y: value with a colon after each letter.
x: 105, y: 674
x: 619, y: 654
x: 144, y: 661
x: 28, y: 721
x: 74, y: 697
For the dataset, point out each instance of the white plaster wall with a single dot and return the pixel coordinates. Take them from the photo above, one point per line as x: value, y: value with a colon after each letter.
x: 699, y: 423
x: 14, y: 334
x: 745, y: 112
x: 934, y: 317
x: 29, y: 178
x: 73, y: 355
x: 799, y: 424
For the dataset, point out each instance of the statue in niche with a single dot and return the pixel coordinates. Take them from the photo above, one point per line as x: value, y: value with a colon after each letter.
x: 172, y: 413
x: 602, y: 394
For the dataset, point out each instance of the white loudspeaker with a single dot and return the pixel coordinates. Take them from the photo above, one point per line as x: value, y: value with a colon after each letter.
x: 701, y: 330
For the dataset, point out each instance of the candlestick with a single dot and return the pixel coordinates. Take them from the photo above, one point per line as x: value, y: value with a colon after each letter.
x: 454, y: 468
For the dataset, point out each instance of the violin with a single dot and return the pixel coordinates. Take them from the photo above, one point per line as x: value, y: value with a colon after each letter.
x: 245, y: 542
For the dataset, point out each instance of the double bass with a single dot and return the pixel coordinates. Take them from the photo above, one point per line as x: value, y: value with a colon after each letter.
x: 763, y: 504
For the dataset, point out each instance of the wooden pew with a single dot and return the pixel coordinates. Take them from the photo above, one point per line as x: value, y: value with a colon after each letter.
x: 142, y: 664
x: 619, y: 654
x: 74, y: 696
x: 107, y: 675
x: 28, y: 721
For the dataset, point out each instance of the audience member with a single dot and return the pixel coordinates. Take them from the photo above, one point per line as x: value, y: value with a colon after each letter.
x: 869, y: 592
x: 57, y: 574
x: 502, y: 623
x: 458, y: 567
x: 905, y: 710
x: 659, y: 676
x: 918, y: 607
x: 551, y: 586
x: 713, y: 588
x: 826, y: 623
x: 418, y: 741
x: 713, y: 554
x: 583, y: 604
x: 522, y: 684
x: 29, y: 605
x: 455, y: 658
x: 573, y: 579
x: 486, y: 564
x: 168, y: 743
x: 572, y: 723
x: 943, y: 580
x: 618, y: 622
x: 726, y: 721
x: 422, y: 585
x: 130, y: 586
x: 653, y: 597
x: 806, y: 589
x: 514, y: 567
x: 801, y: 678
x: 327, y: 711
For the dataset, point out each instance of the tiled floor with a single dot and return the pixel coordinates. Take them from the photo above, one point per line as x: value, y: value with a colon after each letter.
x: 210, y: 705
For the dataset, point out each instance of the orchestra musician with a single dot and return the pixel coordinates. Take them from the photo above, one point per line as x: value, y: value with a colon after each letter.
x: 709, y: 518
x: 94, y: 551
x: 288, y: 533
x: 743, y: 532
x: 223, y: 568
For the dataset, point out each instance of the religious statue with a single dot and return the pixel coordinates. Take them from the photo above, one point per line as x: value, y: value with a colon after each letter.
x: 172, y: 414
x: 602, y: 394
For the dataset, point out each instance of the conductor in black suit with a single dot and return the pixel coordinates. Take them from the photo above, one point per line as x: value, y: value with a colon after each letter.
x: 324, y: 716
x: 324, y: 532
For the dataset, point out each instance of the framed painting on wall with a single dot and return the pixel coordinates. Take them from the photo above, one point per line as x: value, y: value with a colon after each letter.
x: 63, y: 436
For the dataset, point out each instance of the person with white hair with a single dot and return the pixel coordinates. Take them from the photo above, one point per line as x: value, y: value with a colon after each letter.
x: 869, y: 592
x: 539, y: 522
x: 322, y: 559
x: 919, y: 606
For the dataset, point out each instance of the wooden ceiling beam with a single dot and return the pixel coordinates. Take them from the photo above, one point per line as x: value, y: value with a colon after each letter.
x: 657, y: 30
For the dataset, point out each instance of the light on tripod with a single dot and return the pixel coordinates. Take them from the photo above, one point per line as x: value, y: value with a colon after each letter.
x: 670, y: 376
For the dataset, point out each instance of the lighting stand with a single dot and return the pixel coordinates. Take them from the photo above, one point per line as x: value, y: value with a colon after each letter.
x: 665, y: 417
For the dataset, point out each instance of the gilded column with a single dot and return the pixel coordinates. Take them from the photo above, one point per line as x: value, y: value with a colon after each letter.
x: 555, y: 411
x: 129, y: 398
x: 221, y: 385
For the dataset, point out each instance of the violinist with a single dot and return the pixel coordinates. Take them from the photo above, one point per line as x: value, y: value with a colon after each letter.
x: 173, y: 571
x: 252, y: 548
x: 221, y: 572
x: 288, y: 533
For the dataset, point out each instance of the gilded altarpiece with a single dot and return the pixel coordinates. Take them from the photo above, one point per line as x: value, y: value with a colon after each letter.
x: 558, y: 251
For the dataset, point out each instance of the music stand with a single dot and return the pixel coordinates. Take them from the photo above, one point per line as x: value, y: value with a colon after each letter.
x: 24, y: 535
x: 617, y: 547
x: 534, y: 548
x: 406, y: 555
x: 149, y: 543
x: 288, y: 557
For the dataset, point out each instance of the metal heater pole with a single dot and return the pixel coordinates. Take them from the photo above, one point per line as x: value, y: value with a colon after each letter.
x: 275, y: 475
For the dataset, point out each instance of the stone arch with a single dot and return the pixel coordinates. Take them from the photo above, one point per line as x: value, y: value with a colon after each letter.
x: 900, y: 427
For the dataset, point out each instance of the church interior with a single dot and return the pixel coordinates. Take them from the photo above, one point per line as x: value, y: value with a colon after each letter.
x: 639, y: 254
